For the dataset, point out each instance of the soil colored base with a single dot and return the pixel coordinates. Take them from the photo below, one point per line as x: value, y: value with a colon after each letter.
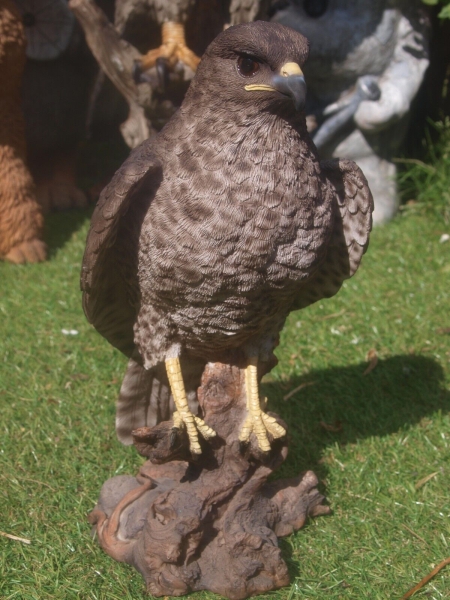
x: 210, y: 523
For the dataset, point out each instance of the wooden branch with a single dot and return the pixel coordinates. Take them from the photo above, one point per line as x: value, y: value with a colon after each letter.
x: 116, y: 58
x: 209, y: 523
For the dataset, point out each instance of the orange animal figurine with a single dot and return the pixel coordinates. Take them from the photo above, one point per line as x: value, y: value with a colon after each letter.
x: 21, y: 220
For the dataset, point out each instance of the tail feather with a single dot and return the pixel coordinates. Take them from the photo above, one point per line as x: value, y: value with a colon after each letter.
x: 144, y: 401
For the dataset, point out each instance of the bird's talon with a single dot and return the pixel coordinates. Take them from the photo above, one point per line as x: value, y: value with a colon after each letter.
x: 265, y: 456
x: 258, y: 422
x: 243, y: 445
x: 206, y: 431
x: 173, y: 436
x: 137, y: 72
x: 162, y: 70
x: 273, y: 427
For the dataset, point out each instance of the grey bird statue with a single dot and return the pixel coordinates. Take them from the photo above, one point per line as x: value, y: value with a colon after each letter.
x: 214, y: 230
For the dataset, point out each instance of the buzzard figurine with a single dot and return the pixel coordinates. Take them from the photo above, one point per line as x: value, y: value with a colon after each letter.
x: 214, y: 230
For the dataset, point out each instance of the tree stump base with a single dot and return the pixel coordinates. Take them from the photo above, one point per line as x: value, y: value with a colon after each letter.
x: 210, y: 523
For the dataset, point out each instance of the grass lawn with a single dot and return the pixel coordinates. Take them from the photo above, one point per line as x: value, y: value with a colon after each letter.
x: 379, y: 441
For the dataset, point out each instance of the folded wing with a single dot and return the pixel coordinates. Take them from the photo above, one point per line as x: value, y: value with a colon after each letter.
x: 353, y: 206
x: 109, y: 271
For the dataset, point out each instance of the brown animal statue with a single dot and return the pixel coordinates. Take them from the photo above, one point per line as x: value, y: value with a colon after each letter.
x: 21, y: 220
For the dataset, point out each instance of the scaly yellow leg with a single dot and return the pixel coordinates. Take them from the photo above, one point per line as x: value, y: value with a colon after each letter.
x: 257, y: 421
x: 183, y: 416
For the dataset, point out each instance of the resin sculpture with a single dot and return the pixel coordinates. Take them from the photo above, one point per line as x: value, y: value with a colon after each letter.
x: 207, y: 237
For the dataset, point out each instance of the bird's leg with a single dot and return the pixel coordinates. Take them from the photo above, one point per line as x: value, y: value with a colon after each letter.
x: 257, y: 421
x: 173, y: 48
x: 183, y: 416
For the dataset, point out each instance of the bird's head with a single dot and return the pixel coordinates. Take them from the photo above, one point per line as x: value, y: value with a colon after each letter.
x: 255, y: 64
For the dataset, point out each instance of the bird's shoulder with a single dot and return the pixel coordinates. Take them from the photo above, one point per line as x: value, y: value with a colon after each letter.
x: 352, y: 206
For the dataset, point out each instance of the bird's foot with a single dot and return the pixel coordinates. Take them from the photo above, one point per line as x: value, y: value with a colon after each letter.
x: 172, y: 50
x: 194, y: 425
x: 257, y: 421
x: 260, y: 423
x: 183, y: 417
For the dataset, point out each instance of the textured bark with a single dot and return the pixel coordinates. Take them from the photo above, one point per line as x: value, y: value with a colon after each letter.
x: 21, y: 220
x: 116, y: 58
x: 211, y: 523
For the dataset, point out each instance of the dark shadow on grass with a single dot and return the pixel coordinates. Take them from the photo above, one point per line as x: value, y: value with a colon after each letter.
x: 397, y: 394
x: 60, y: 227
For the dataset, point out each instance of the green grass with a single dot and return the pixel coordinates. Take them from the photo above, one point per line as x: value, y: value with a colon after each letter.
x: 58, y: 445
x: 425, y: 185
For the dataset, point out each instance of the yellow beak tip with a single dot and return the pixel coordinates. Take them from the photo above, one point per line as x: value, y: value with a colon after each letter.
x: 290, y: 68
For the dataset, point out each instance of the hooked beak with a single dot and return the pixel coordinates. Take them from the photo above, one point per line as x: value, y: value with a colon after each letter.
x: 290, y: 81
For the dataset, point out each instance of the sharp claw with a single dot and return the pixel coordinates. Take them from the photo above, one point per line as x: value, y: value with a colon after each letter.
x: 162, y: 70
x: 137, y: 71
x: 173, y: 437
x: 243, y: 445
x: 265, y: 456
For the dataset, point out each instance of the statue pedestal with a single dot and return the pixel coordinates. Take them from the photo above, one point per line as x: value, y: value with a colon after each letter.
x: 211, y: 523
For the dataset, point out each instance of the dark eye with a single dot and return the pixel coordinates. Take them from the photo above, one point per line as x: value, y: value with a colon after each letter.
x: 315, y: 8
x: 247, y: 66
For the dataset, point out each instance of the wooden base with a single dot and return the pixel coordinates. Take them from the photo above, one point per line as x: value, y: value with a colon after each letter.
x: 210, y: 523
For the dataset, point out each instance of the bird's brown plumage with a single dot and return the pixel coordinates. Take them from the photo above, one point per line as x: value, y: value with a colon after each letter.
x: 214, y: 230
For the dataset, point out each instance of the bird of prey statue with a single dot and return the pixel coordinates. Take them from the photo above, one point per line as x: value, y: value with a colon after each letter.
x: 214, y: 230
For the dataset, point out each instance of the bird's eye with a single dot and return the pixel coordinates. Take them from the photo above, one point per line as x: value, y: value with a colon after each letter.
x: 247, y: 66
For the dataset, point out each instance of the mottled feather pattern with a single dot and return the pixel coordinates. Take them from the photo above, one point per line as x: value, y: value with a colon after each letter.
x: 352, y: 209
x: 232, y: 235
x: 219, y: 226
x: 355, y: 204
x: 113, y: 204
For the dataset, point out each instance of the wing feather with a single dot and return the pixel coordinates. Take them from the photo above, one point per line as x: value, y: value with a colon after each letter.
x: 353, y: 207
x: 109, y: 271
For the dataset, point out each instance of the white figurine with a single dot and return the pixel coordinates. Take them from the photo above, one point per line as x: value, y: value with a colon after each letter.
x: 367, y: 61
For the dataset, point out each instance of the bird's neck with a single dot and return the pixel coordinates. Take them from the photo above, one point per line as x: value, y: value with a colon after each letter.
x: 237, y: 135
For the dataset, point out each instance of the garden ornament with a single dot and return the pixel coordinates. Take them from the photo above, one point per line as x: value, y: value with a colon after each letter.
x: 21, y: 220
x: 48, y: 27
x: 342, y: 111
x: 152, y: 76
x: 207, y: 237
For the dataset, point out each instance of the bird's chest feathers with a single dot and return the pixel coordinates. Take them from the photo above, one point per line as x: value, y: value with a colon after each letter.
x: 238, y: 213
x: 252, y: 198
